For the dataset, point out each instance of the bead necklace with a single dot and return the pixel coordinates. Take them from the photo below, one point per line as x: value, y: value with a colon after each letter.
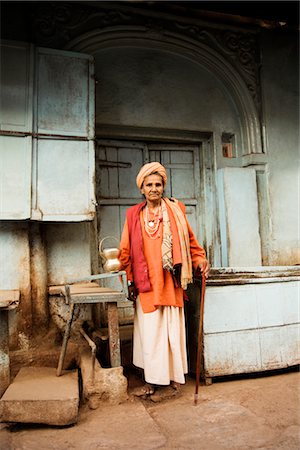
x: 151, y: 227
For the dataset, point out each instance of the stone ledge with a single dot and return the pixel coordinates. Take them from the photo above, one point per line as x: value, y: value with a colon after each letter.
x: 220, y: 276
x: 37, y: 395
x: 101, y: 385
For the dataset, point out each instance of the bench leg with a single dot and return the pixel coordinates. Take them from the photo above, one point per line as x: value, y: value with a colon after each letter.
x: 113, y: 334
x: 4, y: 352
x: 65, y: 341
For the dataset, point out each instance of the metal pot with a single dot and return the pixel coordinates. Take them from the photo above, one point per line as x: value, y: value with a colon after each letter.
x: 110, y: 256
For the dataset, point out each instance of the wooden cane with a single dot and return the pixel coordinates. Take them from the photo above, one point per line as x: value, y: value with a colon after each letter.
x: 200, y: 339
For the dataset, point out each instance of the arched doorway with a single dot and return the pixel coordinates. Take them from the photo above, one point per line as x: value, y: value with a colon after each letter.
x: 166, y: 89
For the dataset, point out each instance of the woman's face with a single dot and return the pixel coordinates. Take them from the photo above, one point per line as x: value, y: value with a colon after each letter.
x: 153, y: 188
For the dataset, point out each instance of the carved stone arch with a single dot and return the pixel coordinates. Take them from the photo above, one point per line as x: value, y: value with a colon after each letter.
x: 196, y: 52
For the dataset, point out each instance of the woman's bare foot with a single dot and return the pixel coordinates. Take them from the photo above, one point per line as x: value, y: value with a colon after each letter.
x: 147, y: 389
x: 175, y: 386
x: 166, y: 392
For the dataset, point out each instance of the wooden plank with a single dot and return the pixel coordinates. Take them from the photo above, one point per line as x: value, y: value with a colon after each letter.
x: 60, y: 289
x: 74, y: 290
x: 4, y: 352
x: 10, y: 295
x: 113, y: 332
x: 98, y: 298
x: 8, y: 304
x: 86, y: 291
x: 63, y: 179
x: 133, y: 201
x: 64, y: 75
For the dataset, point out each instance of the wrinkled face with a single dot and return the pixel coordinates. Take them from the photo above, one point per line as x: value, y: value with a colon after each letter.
x: 153, y: 188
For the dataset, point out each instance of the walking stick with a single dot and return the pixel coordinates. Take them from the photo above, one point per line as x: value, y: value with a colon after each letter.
x: 200, y: 339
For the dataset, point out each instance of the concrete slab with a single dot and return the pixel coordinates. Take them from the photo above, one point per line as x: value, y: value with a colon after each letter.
x: 111, y: 427
x: 37, y: 395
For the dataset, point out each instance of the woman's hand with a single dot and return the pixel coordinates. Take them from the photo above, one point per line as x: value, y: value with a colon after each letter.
x: 132, y: 293
x: 204, y: 268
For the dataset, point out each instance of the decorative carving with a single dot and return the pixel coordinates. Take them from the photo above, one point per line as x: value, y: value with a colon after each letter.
x: 241, y: 48
x: 53, y: 21
x: 243, y: 51
x: 56, y: 24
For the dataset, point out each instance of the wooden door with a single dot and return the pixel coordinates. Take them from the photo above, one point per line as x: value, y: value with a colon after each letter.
x: 117, y: 165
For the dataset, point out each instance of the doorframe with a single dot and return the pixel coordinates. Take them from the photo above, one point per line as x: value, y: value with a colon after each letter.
x: 209, y: 216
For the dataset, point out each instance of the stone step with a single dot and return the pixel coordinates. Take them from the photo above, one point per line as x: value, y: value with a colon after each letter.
x: 37, y: 395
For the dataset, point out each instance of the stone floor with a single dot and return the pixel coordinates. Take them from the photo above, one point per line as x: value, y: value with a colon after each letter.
x: 261, y: 412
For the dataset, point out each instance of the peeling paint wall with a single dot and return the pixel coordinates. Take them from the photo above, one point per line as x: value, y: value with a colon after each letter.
x: 68, y: 251
x: 251, y: 328
x: 15, y: 274
x: 280, y: 84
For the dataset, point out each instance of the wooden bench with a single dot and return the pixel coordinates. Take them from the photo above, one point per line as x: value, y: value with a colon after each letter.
x: 80, y: 292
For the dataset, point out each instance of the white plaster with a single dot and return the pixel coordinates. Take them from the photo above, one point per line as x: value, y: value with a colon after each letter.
x: 68, y: 251
x: 230, y: 308
x: 153, y: 88
x: 251, y: 328
x: 14, y: 256
x: 280, y: 85
x: 239, y: 220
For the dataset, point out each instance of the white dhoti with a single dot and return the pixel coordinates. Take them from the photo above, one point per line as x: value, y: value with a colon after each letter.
x: 159, y: 344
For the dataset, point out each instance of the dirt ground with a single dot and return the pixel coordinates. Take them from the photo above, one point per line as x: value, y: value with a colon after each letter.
x: 261, y: 412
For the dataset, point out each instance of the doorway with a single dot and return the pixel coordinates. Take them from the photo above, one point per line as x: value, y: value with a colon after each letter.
x: 191, y: 179
x: 117, y: 165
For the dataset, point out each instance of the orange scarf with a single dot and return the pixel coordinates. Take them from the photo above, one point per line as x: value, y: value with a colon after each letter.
x: 184, y: 241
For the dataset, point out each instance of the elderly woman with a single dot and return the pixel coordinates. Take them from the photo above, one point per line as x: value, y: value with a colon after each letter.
x: 158, y: 253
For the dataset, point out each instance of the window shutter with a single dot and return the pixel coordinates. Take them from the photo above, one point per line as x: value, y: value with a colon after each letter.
x: 63, y: 188
x: 16, y: 130
x: 46, y: 134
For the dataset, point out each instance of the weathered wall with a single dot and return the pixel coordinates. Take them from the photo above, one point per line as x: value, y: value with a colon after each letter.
x: 154, y: 88
x: 15, y: 274
x: 149, y: 88
x: 280, y: 84
x: 239, y: 227
x: 68, y: 251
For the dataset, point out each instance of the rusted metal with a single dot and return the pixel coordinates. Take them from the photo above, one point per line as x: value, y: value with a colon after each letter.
x: 43, y: 135
x: 104, y: 163
x: 98, y: 297
x: 113, y: 332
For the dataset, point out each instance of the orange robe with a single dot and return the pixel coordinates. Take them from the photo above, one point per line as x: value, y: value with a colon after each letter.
x: 163, y: 291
